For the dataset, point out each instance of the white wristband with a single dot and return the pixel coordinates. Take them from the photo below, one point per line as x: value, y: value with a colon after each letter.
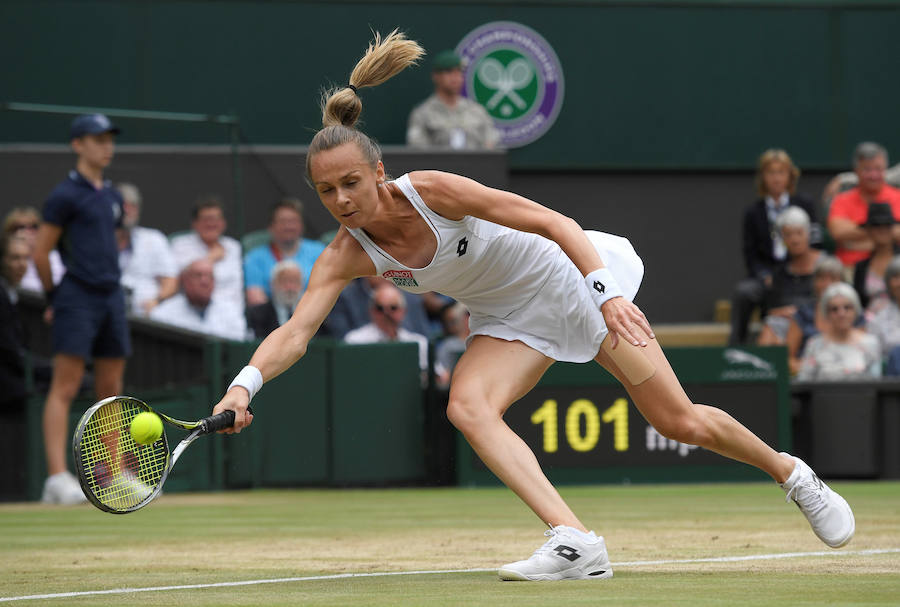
x: 602, y: 285
x: 250, y: 379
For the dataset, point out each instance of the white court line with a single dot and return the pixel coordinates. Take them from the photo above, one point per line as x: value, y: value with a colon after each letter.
x: 339, y: 576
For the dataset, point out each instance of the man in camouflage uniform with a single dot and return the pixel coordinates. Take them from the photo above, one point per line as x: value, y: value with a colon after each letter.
x: 446, y: 119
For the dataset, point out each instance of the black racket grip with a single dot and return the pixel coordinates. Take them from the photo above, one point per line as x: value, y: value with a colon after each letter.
x: 220, y: 421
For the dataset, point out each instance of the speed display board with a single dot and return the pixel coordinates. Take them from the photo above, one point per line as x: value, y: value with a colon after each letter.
x: 583, y: 427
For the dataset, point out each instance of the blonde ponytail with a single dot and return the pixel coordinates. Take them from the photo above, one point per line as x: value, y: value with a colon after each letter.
x: 341, y: 106
x: 382, y: 60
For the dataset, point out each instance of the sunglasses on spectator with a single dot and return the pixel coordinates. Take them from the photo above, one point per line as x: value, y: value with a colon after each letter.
x: 386, y: 309
x: 24, y: 226
x: 845, y: 307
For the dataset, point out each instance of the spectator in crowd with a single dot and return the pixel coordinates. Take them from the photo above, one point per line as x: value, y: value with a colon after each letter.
x: 455, y: 320
x: 149, y: 274
x: 207, y: 240
x: 387, y: 308
x: 287, y: 286
x: 351, y: 310
x: 15, y: 253
x: 848, y: 180
x: 868, y: 274
x: 808, y: 320
x: 885, y: 324
x: 286, y: 230
x: 196, y: 308
x: 850, y: 209
x: 763, y: 245
x: 447, y: 119
x: 841, y: 351
x: 791, y: 279
x: 24, y: 222
x: 88, y: 307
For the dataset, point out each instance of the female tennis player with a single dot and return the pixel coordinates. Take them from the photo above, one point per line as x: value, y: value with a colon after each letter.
x: 539, y: 289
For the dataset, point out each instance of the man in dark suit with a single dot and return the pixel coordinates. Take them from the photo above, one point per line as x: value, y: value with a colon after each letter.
x: 287, y: 286
x: 763, y: 248
x: 15, y: 254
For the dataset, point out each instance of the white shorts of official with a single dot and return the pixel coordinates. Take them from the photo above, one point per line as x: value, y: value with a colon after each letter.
x: 561, y: 321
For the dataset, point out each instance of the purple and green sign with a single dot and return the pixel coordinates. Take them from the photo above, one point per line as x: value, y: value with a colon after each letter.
x: 515, y: 74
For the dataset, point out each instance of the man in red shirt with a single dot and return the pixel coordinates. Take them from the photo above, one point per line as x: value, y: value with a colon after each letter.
x: 849, y: 210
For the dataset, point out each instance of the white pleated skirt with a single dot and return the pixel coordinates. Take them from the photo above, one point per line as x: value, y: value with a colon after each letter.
x: 561, y: 321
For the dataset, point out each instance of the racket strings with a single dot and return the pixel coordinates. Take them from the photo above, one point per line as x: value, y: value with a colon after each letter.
x: 120, y: 472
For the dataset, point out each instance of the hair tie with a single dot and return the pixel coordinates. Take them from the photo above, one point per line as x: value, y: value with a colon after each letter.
x: 352, y: 88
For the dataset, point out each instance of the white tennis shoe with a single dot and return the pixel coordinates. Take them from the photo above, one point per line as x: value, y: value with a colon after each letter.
x: 567, y: 555
x: 827, y: 512
x: 62, y: 488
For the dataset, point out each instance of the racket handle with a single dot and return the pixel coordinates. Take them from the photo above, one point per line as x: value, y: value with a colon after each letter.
x: 220, y: 421
x: 217, y: 422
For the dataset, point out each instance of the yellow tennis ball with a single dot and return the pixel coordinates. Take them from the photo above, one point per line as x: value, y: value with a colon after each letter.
x: 146, y: 428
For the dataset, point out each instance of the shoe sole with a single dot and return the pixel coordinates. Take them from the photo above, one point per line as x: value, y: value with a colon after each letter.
x: 509, y: 575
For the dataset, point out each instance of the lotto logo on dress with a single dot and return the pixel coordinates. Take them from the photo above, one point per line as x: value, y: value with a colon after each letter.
x: 515, y: 74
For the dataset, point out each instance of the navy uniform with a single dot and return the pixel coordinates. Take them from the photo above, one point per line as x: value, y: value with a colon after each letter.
x: 89, y: 304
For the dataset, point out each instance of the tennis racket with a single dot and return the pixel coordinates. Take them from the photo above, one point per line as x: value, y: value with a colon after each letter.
x: 116, y: 473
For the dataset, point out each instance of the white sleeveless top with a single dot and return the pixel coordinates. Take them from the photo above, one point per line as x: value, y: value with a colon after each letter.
x: 493, y: 269
x: 516, y: 285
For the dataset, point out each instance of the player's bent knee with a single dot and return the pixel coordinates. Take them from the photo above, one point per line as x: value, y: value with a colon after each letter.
x: 467, y: 414
x: 689, y: 430
x: 460, y: 414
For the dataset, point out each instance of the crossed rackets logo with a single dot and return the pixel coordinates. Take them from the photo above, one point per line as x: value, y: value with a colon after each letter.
x: 505, y: 83
x: 514, y: 73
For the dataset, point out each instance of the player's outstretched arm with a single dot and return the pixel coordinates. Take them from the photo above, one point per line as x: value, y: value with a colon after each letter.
x: 341, y: 261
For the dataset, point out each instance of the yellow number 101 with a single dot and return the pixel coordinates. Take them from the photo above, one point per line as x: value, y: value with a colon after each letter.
x: 617, y: 414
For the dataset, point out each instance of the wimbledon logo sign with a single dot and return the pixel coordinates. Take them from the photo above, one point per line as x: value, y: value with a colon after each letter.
x: 512, y: 71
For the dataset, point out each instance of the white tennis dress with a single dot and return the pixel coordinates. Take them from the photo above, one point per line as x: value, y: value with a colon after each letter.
x: 516, y: 285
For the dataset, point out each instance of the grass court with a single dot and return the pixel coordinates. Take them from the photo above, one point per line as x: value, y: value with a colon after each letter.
x: 690, y: 545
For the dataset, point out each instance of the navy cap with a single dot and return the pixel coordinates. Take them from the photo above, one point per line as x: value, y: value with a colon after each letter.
x: 92, y: 124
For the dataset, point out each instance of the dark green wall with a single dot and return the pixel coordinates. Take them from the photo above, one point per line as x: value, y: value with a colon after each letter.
x: 649, y: 85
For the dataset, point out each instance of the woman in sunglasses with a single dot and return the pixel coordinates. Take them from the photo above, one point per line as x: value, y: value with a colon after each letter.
x: 387, y: 308
x: 841, y: 351
x: 538, y: 288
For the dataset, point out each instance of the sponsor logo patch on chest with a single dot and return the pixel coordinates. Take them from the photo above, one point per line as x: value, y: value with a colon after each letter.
x: 401, y: 278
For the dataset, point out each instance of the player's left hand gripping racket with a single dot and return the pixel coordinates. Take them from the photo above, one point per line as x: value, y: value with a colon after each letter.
x: 116, y: 473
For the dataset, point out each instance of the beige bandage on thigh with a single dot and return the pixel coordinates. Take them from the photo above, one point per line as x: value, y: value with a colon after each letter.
x: 629, y: 358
